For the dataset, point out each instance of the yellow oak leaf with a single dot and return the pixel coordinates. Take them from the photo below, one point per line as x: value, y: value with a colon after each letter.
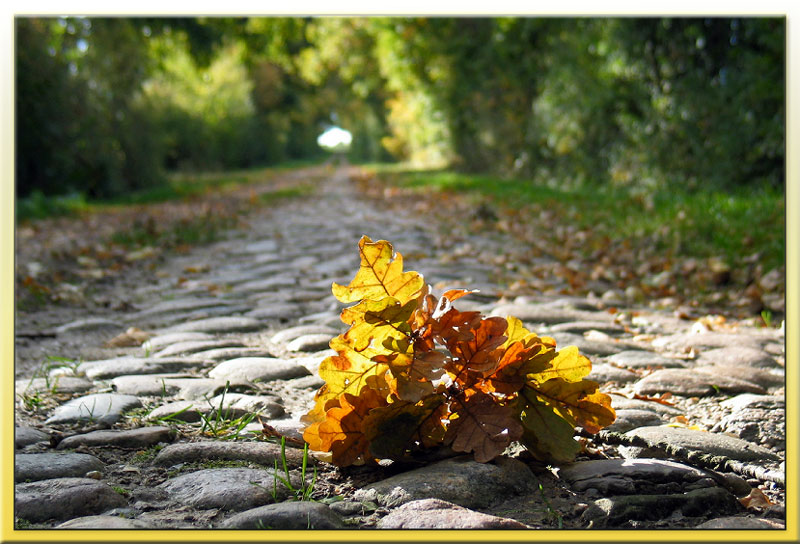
x: 380, y: 275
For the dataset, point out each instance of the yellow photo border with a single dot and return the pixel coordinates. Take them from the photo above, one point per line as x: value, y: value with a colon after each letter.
x: 9, y: 534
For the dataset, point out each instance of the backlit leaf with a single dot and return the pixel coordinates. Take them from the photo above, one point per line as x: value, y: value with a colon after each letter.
x: 483, y: 426
x: 380, y: 275
x: 567, y: 364
x: 547, y: 435
x: 477, y: 355
x: 577, y: 402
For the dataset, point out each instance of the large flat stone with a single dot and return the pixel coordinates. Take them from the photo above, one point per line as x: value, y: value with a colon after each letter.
x: 263, y: 453
x: 142, y: 437
x: 630, y: 476
x: 104, y: 408
x: 707, y: 341
x: 633, y: 418
x: 225, y: 488
x: 258, y: 368
x: 56, y: 384
x: 459, y: 480
x: 25, y: 436
x: 438, y: 514
x: 690, y: 383
x: 102, y: 522
x: 181, y: 386
x: 218, y: 325
x: 223, y: 354
x: 644, y: 359
x: 64, y: 498
x: 758, y: 376
x: 548, y: 314
x: 162, y: 340
x: 300, y: 515
x: 742, y: 356
x: 124, y: 366
x: 44, y: 466
x: 622, y: 510
x: 663, y: 437
x: 309, y: 343
x: 193, y: 346
x: 287, y: 335
x: 91, y: 324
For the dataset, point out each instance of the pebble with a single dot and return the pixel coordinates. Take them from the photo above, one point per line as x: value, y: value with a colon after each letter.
x: 748, y: 400
x: 225, y: 488
x: 269, y: 284
x: 439, y: 514
x: 632, y: 419
x: 102, y: 522
x: 193, y: 346
x: 586, y: 347
x: 223, y: 354
x: 744, y: 356
x: 175, y: 337
x: 64, y: 498
x: 263, y: 453
x: 763, y: 378
x: 44, y: 466
x: 93, y: 324
x: 287, y: 335
x: 25, y: 436
x: 258, y: 368
x: 105, y: 408
x: 604, y: 373
x: 705, y: 442
x: 299, y: 515
x: 460, y: 480
x: 56, y: 384
x: 218, y: 325
x: 142, y: 437
x: 581, y: 327
x: 309, y: 343
x: 691, y: 383
x: 279, y: 311
x: 644, y: 359
x: 706, y: 341
x: 547, y: 314
x: 123, y: 366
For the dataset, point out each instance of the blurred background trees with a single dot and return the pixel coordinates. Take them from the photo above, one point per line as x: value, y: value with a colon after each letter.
x: 107, y: 106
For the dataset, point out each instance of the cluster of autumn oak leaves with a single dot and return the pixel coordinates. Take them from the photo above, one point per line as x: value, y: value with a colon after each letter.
x: 412, y: 372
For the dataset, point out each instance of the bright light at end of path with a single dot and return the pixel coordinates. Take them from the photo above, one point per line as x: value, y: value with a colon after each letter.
x: 335, y: 139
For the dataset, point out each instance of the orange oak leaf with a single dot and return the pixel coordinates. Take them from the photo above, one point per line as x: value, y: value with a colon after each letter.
x: 380, y: 275
x: 349, y: 371
x: 477, y: 355
x: 341, y: 432
x: 482, y: 425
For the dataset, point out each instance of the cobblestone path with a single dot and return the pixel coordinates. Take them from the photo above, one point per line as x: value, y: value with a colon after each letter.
x: 166, y: 434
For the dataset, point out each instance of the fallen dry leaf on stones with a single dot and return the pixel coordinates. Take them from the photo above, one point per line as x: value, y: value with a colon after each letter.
x: 413, y: 373
x: 131, y: 337
x: 756, y: 499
